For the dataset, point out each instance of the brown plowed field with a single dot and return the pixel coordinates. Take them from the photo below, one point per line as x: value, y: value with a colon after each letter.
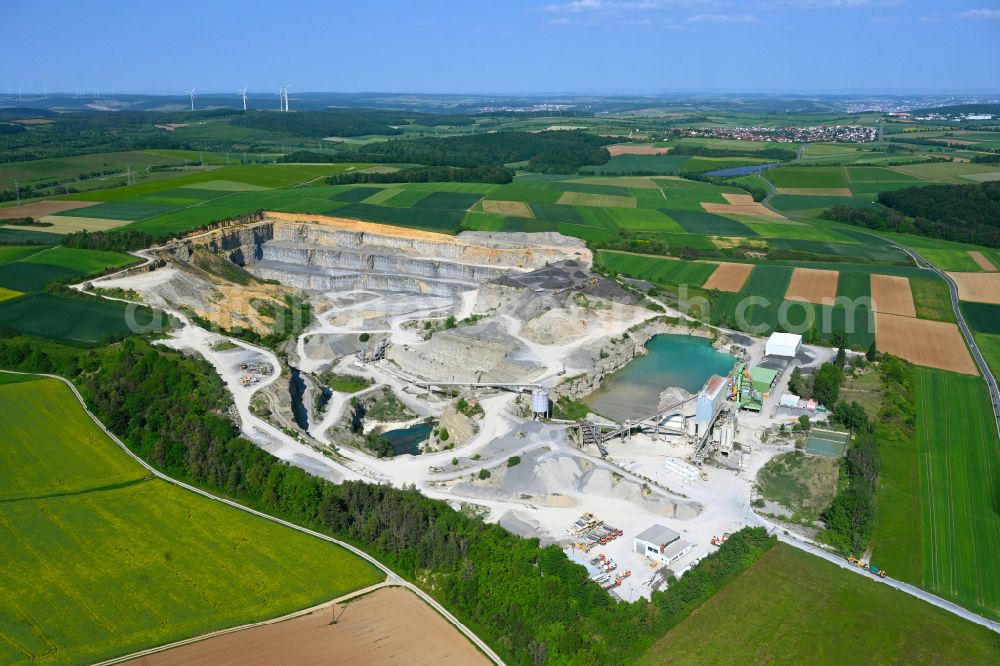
x: 388, y: 626
x: 515, y: 208
x: 978, y: 287
x: 980, y: 259
x: 728, y: 277
x: 67, y: 224
x: 754, y: 209
x: 891, y: 294
x: 739, y: 199
x: 933, y: 344
x: 813, y: 285
x: 631, y: 149
x: 42, y: 208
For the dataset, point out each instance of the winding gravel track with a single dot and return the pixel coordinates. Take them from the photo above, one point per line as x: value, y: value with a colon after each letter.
x: 391, y: 576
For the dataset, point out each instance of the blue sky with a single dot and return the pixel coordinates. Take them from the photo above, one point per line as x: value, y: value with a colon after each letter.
x: 504, y: 46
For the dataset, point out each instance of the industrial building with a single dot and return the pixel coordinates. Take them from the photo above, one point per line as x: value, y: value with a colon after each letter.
x: 710, y: 401
x: 783, y: 344
x: 661, y: 544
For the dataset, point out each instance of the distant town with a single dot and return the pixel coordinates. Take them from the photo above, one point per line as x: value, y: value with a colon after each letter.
x: 846, y: 133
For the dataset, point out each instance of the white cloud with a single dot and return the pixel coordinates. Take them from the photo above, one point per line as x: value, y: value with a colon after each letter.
x: 636, y: 22
x: 835, y: 4
x: 722, y: 18
x: 607, y: 6
x: 577, y: 6
x: 981, y: 14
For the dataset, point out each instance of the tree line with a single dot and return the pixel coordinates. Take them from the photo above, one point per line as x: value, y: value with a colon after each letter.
x: 531, y: 603
x: 342, y: 122
x: 545, y: 152
x: 772, y: 153
x: 962, y: 213
x: 481, y: 174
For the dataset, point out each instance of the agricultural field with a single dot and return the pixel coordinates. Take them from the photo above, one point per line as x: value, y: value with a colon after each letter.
x: 949, y: 546
x: 71, y: 168
x: 367, y: 631
x: 793, y: 607
x: 932, y: 299
x: 625, y: 165
x: 33, y: 269
x: 978, y: 287
x: 656, y: 269
x: 982, y: 317
x: 103, y: 559
x: 811, y: 178
x: 989, y: 346
x: 933, y: 344
x: 76, y: 320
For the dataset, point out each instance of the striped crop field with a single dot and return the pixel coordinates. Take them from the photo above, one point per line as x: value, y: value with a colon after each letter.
x: 656, y: 269
x: 956, y: 467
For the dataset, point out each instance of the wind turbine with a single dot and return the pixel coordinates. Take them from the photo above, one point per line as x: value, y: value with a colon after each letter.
x: 244, y: 93
x: 285, y: 89
x: 191, y: 93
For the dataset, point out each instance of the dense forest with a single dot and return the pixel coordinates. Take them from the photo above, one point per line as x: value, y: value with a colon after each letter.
x: 530, y: 603
x: 963, y: 213
x: 546, y: 152
x: 342, y: 122
x: 482, y: 174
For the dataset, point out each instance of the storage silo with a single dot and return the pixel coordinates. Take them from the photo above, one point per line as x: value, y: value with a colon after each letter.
x: 539, y: 403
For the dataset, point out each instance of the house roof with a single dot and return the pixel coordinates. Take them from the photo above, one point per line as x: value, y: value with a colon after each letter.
x: 675, y: 548
x: 763, y: 375
x: 659, y: 535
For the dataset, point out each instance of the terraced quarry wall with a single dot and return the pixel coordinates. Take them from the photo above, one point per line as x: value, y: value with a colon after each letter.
x: 320, y: 253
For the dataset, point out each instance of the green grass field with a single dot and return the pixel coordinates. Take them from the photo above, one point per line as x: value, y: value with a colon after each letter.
x: 667, y: 165
x: 254, y: 175
x: 27, y: 276
x: 655, y: 269
x: 808, y: 177
x: 794, y: 608
x: 949, y: 547
x: 932, y: 299
x: 101, y: 559
x: 989, y: 345
x: 950, y: 260
x: 84, y: 321
x: 15, y: 253
x: 83, y: 261
x: 64, y: 168
x: 981, y: 317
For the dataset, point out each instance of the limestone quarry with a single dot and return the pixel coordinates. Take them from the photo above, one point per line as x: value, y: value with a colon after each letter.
x: 453, y: 343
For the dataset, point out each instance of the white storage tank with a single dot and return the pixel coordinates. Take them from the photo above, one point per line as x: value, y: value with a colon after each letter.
x: 540, y: 402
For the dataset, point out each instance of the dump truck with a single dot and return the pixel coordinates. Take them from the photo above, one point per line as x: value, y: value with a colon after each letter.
x: 875, y: 570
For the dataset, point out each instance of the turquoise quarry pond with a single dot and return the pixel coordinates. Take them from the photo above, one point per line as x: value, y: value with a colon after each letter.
x: 407, y: 440
x: 685, y: 361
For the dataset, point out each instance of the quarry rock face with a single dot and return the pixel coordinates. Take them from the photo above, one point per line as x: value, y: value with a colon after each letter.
x: 320, y: 253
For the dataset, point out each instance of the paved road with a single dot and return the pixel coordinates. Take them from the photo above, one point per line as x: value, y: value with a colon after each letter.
x: 391, y: 576
x: 912, y: 590
x: 991, y: 381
